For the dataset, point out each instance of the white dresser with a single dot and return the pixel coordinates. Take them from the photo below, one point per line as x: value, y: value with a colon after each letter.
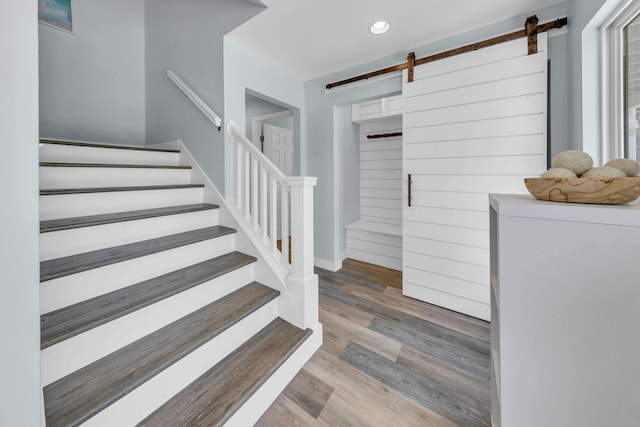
x: 565, y: 313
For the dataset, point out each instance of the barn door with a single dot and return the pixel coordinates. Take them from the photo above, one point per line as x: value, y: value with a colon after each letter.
x: 473, y: 124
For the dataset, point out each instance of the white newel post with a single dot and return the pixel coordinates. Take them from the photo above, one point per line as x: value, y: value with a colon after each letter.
x: 302, y: 283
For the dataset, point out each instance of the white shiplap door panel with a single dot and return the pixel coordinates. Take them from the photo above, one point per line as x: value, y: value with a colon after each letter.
x: 447, y: 200
x: 478, y: 256
x: 469, y: 183
x: 444, y: 299
x: 521, y: 87
x: 502, y: 146
x: 524, y: 164
x: 446, y: 267
x: 448, y: 284
x: 452, y: 217
x: 529, y: 124
x: 500, y: 53
x: 473, y: 124
x: 477, y: 111
x: 506, y: 70
x: 445, y: 233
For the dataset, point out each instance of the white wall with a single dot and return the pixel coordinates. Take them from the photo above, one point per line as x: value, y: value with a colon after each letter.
x: 92, y: 82
x: 20, y: 392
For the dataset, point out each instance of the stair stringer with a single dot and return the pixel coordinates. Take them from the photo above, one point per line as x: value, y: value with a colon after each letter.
x: 267, y: 272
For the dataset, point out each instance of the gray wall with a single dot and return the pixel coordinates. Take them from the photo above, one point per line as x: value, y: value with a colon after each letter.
x: 247, y: 72
x: 92, y: 82
x: 20, y: 391
x: 322, y: 148
x: 255, y: 107
x: 187, y: 37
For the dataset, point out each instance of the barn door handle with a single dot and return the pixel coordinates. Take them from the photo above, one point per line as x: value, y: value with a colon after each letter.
x: 409, y: 182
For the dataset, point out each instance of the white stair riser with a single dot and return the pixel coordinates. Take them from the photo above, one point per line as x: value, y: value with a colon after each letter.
x: 86, y: 177
x: 59, y: 153
x: 57, y: 244
x: 142, y: 401
x: 68, y: 290
x: 72, y: 354
x: 260, y: 401
x: 73, y: 205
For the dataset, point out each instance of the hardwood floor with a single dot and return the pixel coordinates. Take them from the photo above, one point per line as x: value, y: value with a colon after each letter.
x: 387, y: 360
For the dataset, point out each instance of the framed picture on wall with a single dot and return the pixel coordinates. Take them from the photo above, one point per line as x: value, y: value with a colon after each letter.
x: 56, y: 14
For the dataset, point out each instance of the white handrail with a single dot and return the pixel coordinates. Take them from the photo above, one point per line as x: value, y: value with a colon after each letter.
x: 202, y: 106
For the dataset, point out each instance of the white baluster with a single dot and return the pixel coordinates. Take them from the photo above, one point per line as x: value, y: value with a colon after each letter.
x: 254, y: 192
x: 247, y: 184
x: 284, y: 226
x: 263, y: 201
x: 273, y: 215
x: 239, y: 174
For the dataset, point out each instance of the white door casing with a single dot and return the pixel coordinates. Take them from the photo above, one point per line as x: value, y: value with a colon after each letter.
x: 473, y: 124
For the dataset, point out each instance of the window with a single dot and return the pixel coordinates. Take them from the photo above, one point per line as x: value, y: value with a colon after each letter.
x: 631, y: 70
x: 621, y: 82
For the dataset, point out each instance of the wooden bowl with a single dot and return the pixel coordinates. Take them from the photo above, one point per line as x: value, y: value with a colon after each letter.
x: 610, y: 191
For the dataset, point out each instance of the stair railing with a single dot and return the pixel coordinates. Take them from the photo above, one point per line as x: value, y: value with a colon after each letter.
x: 193, y: 97
x: 278, y: 209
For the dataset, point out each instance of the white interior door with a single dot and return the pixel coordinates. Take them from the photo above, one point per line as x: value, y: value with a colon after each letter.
x: 473, y: 124
x: 278, y: 147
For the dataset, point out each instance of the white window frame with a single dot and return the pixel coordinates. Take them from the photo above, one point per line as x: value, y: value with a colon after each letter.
x: 612, y: 79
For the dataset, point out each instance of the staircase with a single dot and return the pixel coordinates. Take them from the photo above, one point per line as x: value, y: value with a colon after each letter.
x: 150, y: 315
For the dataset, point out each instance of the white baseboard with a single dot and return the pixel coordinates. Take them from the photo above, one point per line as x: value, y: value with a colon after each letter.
x: 328, y: 265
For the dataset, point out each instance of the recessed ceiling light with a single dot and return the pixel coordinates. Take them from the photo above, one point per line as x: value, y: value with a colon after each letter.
x: 379, y: 27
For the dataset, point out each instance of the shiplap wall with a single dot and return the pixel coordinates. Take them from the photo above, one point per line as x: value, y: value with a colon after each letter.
x: 376, y: 237
x: 381, y: 173
x: 473, y: 124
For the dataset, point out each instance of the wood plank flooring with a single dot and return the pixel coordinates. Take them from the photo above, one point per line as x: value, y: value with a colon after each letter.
x: 387, y: 360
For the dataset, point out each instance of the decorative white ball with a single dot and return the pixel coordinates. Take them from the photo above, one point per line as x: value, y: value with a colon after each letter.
x: 604, y: 172
x: 558, y: 173
x: 576, y: 161
x: 628, y: 166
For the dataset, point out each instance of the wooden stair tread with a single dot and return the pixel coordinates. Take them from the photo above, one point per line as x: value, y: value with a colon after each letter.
x: 214, y: 397
x: 110, y: 165
x: 80, y: 395
x: 59, y: 267
x: 67, y: 322
x: 97, y: 145
x: 54, y: 192
x: 92, y: 220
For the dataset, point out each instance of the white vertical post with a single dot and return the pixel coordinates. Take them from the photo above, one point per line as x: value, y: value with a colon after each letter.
x: 302, y: 282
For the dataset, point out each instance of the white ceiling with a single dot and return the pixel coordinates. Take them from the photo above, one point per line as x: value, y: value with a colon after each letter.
x: 313, y: 38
